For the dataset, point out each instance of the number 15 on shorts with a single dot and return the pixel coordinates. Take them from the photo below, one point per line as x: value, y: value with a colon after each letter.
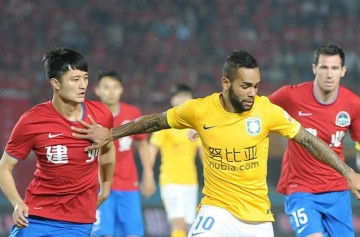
x: 300, y: 217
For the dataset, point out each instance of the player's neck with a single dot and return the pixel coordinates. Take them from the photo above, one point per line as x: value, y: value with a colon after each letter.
x: 70, y: 110
x: 225, y: 102
x: 325, y: 97
x: 114, y: 108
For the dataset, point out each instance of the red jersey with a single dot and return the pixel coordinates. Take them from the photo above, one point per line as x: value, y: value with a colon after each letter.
x: 65, y: 184
x: 126, y: 176
x: 300, y: 172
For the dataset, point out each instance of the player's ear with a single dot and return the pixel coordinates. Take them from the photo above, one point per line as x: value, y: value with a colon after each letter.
x: 121, y: 89
x: 226, y: 83
x: 55, y: 83
x: 343, y: 71
x: 314, y: 69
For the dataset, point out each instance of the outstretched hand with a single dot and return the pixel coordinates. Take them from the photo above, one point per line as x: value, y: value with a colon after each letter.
x: 94, y: 132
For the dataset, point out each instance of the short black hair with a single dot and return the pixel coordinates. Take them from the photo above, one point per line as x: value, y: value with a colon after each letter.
x: 330, y: 49
x: 58, y: 61
x: 236, y: 60
x: 180, y: 88
x: 112, y: 74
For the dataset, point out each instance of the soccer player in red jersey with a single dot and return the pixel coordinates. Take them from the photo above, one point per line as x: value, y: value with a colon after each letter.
x: 317, y: 197
x: 63, y: 196
x: 120, y: 214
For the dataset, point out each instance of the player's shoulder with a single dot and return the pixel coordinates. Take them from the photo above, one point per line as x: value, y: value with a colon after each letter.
x: 263, y: 105
x: 348, y: 95
x: 97, y: 107
x: 298, y: 87
x: 38, y: 111
x: 210, y: 99
x: 263, y: 100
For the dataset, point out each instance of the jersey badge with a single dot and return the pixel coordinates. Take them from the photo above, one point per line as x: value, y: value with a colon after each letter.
x: 342, y: 119
x: 253, y: 126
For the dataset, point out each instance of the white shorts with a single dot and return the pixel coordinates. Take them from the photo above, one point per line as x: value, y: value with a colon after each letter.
x: 214, y: 221
x: 180, y: 201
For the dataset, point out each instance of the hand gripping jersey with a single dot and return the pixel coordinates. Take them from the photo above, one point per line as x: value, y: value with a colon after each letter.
x: 300, y: 171
x: 126, y: 175
x: 65, y: 184
x: 235, y: 147
x: 178, y: 155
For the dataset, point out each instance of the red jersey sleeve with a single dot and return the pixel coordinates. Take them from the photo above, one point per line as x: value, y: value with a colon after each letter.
x: 21, y: 139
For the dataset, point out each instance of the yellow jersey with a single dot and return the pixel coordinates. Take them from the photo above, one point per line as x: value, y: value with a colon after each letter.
x: 178, y: 155
x: 357, y: 146
x: 235, y: 151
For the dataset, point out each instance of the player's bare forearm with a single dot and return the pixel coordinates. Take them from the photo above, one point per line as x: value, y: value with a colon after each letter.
x: 144, y: 153
x: 145, y: 124
x: 147, y: 182
x: 321, y: 151
x: 153, y: 151
x: 106, y: 171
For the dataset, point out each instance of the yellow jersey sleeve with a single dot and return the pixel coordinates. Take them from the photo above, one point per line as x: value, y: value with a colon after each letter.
x: 183, y: 115
x: 280, y: 121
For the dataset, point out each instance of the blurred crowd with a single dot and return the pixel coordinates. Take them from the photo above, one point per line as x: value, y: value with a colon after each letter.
x: 155, y: 44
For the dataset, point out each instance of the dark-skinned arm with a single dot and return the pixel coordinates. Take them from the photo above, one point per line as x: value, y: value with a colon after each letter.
x: 101, y: 136
x: 321, y: 151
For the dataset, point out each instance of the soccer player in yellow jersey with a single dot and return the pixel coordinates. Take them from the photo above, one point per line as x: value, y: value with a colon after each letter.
x: 178, y: 176
x: 234, y: 128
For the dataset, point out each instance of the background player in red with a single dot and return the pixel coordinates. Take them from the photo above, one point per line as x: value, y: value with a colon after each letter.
x: 121, y: 214
x: 62, y: 198
x: 318, y: 201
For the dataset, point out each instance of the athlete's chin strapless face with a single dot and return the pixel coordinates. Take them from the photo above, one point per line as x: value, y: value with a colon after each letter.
x: 72, y: 86
x: 109, y: 90
x: 244, y: 88
x: 328, y: 72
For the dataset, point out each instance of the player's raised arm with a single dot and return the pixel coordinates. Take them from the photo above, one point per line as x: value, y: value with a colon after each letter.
x: 321, y: 151
x: 101, y: 136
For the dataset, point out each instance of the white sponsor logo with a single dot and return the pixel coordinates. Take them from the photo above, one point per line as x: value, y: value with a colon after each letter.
x: 304, y: 114
x: 55, y: 135
x: 57, y: 154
